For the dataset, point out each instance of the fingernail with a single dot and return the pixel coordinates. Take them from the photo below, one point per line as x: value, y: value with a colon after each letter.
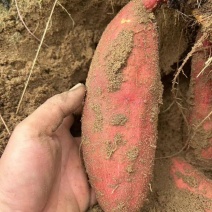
x: 76, y: 86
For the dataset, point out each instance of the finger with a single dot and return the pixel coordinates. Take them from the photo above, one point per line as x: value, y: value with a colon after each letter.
x: 78, y: 141
x: 93, y: 199
x: 49, y: 116
x: 79, y: 110
x: 67, y: 122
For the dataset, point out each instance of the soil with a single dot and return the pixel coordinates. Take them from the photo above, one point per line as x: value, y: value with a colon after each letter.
x: 118, y: 53
x: 64, y: 60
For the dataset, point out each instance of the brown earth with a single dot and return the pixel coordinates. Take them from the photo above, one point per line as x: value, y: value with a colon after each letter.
x: 65, y: 58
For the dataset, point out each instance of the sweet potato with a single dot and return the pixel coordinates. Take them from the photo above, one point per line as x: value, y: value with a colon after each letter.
x: 119, y: 123
x: 200, y: 111
x: 151, y: 4
x: 187, y: 178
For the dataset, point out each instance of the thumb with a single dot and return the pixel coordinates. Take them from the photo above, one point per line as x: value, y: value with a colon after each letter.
x: 49, y: 116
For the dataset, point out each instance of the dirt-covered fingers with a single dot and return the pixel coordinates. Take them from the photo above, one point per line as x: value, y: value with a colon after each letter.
x: 50, y: 115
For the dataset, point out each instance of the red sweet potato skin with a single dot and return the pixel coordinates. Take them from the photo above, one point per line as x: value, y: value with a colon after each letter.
x: 187, y: 178
x: 201, y: 100
x: 151, y: 4
x: 119, y: 122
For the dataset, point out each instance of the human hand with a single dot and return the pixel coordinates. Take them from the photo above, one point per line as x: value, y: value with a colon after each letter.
x: 41, y: 169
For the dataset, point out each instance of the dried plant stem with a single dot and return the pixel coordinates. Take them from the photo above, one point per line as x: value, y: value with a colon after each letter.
x: 175, y: 90
x: 189, y: 138
x: 5, y: 125
x: 207, y: 64
x: 66, y: 12
x: 113, y: 11
x: 201, y: 123
x: 20, y: 16
x: 36, y: 56
x: 196, y: 45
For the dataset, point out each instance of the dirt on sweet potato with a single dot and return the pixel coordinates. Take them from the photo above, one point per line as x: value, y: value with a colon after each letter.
x: 119, y: 52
